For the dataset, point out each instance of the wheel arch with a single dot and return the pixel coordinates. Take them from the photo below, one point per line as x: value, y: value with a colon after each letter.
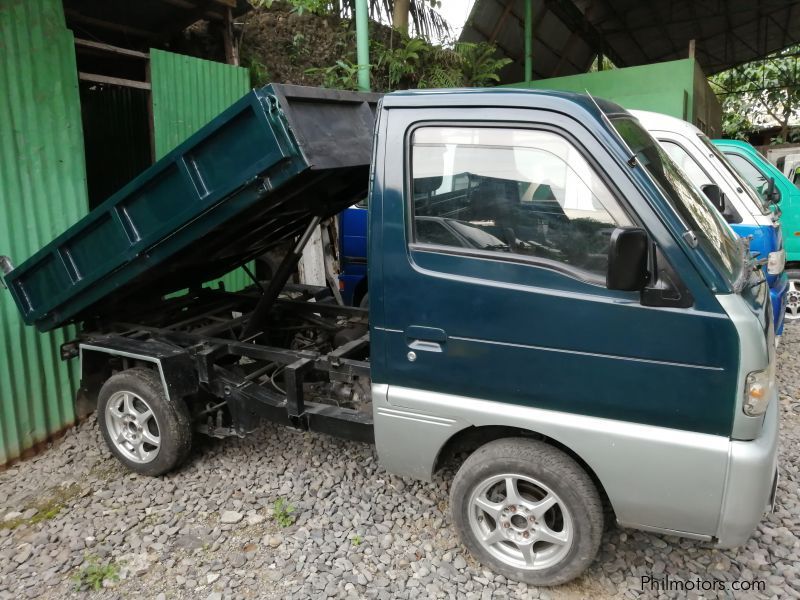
x: 174, y: 367
x: 469, y: 439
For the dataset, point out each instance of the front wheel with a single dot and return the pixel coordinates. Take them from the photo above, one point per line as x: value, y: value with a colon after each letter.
x: 147, y: 432
x: 527, y: 511
x: 793, y: 294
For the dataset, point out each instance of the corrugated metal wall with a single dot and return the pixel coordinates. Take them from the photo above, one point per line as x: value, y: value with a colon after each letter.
x: 42, y: 191
x: 187, y: 93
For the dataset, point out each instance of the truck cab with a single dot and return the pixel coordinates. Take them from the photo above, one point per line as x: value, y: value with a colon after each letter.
x: 773, y: 187
x: 746, y: 212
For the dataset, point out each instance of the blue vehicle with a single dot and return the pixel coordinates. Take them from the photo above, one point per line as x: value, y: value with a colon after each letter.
x: 553, y: 308
x: 353, y: 234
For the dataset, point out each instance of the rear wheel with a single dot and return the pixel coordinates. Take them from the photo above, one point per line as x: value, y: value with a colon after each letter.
x: 147, y: 432
x: 527, y: 511
x: 793, y: 295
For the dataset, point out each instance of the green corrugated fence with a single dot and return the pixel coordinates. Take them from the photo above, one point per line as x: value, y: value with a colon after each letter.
x: 42, y: 192
x: 187, y: 93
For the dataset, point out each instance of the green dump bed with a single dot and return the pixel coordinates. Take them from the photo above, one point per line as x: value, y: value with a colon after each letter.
x: 251, y: 178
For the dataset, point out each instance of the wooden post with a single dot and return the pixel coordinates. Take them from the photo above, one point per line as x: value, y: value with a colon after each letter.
x: 691, y: 48
x: 231, y: 51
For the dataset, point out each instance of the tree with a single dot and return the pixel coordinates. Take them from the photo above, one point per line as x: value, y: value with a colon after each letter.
x: 760, y: 93
x: 400, y: 15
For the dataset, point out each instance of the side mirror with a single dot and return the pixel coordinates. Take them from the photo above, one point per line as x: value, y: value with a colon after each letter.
x: 714, y: 194
x: 627, y: 259
x: 773, y: 194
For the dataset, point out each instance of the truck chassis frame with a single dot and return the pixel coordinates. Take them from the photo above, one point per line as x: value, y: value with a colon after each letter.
x: 195, y: 342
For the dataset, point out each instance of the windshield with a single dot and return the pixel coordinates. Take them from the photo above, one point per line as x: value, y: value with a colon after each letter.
x: 714, y: 237
x: 755, y: 197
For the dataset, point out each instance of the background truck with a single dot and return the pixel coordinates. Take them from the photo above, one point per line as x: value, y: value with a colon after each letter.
x: 554, y: 310
x: 775, y: 188
x: 747, y: 214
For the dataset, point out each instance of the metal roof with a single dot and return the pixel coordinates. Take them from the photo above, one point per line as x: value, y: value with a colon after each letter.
x: 568, y: 34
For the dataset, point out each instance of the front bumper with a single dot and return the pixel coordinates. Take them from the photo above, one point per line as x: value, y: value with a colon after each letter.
x: 750, y: 482
x: 777, y: 294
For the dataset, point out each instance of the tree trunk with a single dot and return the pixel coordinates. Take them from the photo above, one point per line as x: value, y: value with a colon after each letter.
x: 400, y: 15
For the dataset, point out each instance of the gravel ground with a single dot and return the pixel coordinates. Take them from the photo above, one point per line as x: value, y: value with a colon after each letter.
x: 212, y: 531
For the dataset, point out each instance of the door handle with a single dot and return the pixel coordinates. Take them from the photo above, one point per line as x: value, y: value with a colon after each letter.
x: 426, y: 339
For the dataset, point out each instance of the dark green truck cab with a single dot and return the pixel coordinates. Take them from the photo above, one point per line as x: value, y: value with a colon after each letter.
x: 547, y: 293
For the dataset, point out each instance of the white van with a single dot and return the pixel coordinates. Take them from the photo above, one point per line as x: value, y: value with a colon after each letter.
x: 739, y: 204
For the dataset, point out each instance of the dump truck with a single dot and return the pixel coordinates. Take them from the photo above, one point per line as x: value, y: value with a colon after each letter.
x: 554, y: 310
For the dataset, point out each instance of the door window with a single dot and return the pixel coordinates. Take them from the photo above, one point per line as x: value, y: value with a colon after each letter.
x: 686, y: 162
x: 512, y: 191
x: 751, y: 175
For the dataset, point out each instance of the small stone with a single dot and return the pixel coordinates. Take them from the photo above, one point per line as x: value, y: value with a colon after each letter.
x: 274, y: 541
x: 211, y: 578
x: 12, y: 516
x: 459, y: 563
x: 238, y: 560
x: 24, y: 552
x: 229, y: 517
x: 161, y: 596
x: 255, y: 519
x: 214, y: 596
x: 30, y: 513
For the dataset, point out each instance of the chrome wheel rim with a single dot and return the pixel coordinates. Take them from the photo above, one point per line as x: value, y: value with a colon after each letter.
x: 132, y: 427
x: 793, y: 300
x: 520, y: 521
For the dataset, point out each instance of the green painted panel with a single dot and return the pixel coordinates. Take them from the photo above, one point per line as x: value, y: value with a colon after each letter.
x: 666, y: 87
x: 42, y: 192
x: 187, y: 93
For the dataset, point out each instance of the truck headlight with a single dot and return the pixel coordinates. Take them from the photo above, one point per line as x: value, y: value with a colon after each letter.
x: 776, y: 261
x: 757, y: 389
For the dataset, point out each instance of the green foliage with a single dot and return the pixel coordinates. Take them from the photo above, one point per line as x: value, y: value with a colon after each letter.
x: 401, y: 62
x: 479, y: 65
x: 426, y: 20
x: 282, y: 513
x: 357, y: 540
x: 92, y: 574
x: 317, y: 7
x: 760, y: 94
x: 259, y: 75
x: 298, y: 46
x: 415, y: 63
x: 343, y: 75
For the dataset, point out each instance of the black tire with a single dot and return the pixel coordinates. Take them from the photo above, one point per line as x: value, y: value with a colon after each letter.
x: 554, y: 470
x: 171, y: 418
x: 793, y: 298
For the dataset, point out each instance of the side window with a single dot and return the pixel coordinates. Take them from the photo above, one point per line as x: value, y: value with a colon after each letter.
x: 513, y: 191
x: 751, y: 175
x: 687, y: 163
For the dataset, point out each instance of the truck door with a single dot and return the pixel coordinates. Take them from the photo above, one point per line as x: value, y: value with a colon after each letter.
x: 493, y: 258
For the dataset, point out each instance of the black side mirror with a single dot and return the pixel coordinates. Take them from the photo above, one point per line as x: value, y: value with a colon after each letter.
x: 627, y: 259
x: 773, y: 194
x: 714, y: 194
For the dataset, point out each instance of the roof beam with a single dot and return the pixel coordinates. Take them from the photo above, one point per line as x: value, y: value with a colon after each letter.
x: 126, y: 29
x: 142, y: 85
x: 501, y: 21
x: 110, y: 49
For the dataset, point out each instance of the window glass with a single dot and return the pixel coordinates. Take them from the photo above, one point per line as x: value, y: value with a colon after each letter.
x: 714, y: 237
x: 751, y: 175
x: 686, y: 162
x: 513, y: 191
x: 742, y: 183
